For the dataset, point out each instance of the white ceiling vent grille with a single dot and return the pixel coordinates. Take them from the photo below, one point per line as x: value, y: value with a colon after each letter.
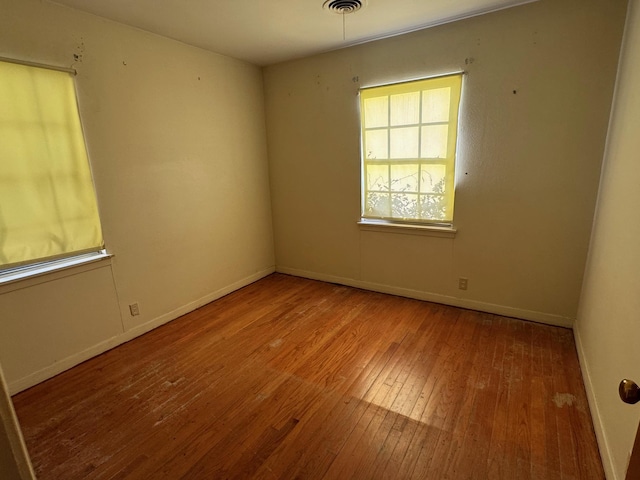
x: 343, y: 6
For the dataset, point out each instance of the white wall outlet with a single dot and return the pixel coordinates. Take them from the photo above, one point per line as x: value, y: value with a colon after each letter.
x: 462, y: 283
x: 134, y: 309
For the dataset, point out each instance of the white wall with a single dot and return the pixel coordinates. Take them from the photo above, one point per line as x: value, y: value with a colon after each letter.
x: 608, y: 325
x: 176, y: 137
x: 528, y: 163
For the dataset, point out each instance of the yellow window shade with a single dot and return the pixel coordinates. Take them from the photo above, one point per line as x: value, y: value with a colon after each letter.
x: 48, y: 205
x: 409, y: 135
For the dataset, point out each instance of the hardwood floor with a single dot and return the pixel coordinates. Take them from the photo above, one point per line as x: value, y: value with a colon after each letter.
x: 292, y: 378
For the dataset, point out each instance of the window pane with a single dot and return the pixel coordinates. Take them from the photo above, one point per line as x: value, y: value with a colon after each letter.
x: 404, y: 205
x: 404, y: 178
x: 376, y: 144
x: 432, y: 178
x: 377, y: 205
x: 376, y: 112
x: 433, y: 207
x: 434, y: 141
x: 377, y: 177
x: 404, y: 142
x: 405, y: 109
x: 435, y: 105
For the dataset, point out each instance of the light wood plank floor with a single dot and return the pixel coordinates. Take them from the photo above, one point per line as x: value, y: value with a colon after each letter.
x: 292, y: 378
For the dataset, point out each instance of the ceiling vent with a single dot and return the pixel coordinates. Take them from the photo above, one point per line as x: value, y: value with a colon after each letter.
x: 343, y: 6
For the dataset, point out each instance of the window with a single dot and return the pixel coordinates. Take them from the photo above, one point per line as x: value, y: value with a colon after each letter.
x: 409, y: 133
x: 48, y: 207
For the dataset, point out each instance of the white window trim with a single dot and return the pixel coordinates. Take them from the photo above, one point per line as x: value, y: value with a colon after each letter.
x: 384, y: 226
x: 25, y: 272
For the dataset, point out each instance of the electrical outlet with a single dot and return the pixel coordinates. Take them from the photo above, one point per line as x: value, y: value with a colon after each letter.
x: 134, y: 309
x: 462, y: 283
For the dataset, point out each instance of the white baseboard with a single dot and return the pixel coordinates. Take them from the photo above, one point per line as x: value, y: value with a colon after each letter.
x: 60, y: 366
x: 598, y: 426
x: 167, y: 317
x: 71, y: 361
x: 540, y: 317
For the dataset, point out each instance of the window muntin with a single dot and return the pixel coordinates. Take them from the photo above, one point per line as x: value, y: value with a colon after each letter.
x: 409, y: 134
x: 48, y: 206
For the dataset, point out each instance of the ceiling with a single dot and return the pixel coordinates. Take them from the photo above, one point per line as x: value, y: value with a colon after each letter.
x: 265, y: 32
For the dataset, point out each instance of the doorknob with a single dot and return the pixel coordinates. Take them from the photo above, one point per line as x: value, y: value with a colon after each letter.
x: 629, y: 391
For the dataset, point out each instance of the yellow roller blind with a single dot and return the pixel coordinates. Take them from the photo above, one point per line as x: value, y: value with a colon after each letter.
x: 47, y: 200
x: 409, y: 135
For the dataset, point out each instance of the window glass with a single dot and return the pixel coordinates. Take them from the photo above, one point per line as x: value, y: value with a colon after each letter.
x: 435, y: 105
x: 377, y: 112
x: 404, y: 142
x: 405, y: 109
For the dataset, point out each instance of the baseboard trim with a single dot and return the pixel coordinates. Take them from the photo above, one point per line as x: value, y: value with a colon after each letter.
x: 598, y: 425
x: 189, y: 307
x: 71, y: 361
x: 540, y: 317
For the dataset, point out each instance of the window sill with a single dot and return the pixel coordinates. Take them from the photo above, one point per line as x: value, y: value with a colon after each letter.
x: 37, y: 270
x: 407, y: 228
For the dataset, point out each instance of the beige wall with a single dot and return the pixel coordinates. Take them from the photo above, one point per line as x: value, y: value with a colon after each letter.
x: 176, y: 137
x: 528, y: 163
x: 608, y: 325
